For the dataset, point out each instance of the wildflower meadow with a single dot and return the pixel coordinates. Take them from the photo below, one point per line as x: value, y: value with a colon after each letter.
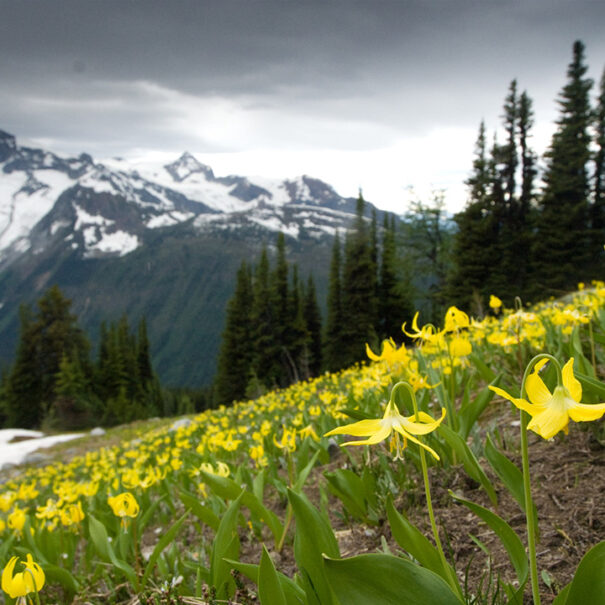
x: 407, y: 479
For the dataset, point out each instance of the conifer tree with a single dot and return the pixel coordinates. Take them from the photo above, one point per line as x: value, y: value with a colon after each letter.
x: 394, y: 303
x: 334, y: 358
x: 359, y: 286
x: 562, y: 246
x: 296, y: 354
x: 312, y: 317
x: 598, y: 203
x: 235, y: 355
x: 44, y: 340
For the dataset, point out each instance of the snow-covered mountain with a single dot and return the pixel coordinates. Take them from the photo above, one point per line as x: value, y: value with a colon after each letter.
x: 161, y: 241
x: 109, y: 208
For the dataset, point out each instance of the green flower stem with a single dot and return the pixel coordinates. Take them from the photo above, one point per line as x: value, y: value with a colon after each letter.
x: 592, y: 351
x: 529, y: 504
x: 453, y: 581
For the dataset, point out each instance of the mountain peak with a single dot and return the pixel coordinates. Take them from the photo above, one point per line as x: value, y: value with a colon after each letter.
x: 187, y: 165
x: 8, y: 145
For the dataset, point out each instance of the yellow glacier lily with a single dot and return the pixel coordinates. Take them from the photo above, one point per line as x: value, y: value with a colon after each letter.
x: 22, y: 583
x: 550, y: 412
x: 378, y: 430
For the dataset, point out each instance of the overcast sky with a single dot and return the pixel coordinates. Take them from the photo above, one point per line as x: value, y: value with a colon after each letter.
x: 382, y: 95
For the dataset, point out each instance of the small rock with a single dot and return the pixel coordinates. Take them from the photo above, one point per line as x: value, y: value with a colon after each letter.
x: 97, y: 432
x: 36, y: 458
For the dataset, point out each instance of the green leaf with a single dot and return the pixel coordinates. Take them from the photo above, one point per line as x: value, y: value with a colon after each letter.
x: 386, y: 580
x: 294, y: 594
x: 349, y: 488
x: 591, y: 385
x: 314, y: 537
x: 163, y: 542
x: 468, y: 414
x: 228, y: 489
x: 302, y: 476
x: 466, y: 456
x: 486, y: 372
x: 588, y: 584
x: 509, y: 474
x: 59, y: 575
x: 203, y: 513
x: 101, y: 542
x: 270, y: 591
x: 416, y: 543
x: 510, y: 540
x: 225, y: 545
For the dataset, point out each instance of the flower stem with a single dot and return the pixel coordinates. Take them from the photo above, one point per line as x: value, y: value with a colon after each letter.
x: 529, y: 510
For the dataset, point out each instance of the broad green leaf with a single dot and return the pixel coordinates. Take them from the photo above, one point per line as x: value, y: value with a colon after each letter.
x: 486, y: 372
x: 509, y: 474
x: 588, y: 584
x: 163, y: 542
x: 466, y: 456
x: 294, y: 594
x: 349, y: 488
x: 314, y: 538
x: 59, y: 575
x: 270, y: 591
x: 203, y: 513
x: 416, y: 543
x: 228, y: 489
x: 510, y: 540
x: 100, y: 539
x: 561, y: 598
x: 386, y: 580
x: 225, y: 545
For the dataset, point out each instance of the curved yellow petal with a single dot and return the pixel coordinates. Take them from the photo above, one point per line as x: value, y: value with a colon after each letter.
x: 548, y: 423
x: 7, y: 575
x: 537, y: 391
x: 522, y: 404
x: 571, y: 382
x: 377, y: 437
x: 363, y: 428
x: 427, y: 425
x: 371, y: 353
x: 585, y: 412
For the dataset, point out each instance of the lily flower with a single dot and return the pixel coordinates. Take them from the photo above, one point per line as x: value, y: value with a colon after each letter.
x: 20, y: 584
x: 550, y: 412
x: 392, y: 423
x: 124, y: 505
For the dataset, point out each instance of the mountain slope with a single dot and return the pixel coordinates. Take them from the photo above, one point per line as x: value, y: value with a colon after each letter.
x: 160, y: 241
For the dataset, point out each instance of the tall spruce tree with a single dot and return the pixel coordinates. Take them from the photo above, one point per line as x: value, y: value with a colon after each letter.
x: 235, y: 355
x: 598, y: 202
x: 394, y: 302
x: 334, y: 335
x: 312, y: 316
x: 562, y: 246
x: 359, y: 288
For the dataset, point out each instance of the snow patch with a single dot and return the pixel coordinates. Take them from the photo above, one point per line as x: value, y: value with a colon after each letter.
x: 15, y: 453
x: 165, y: 220
x: 118, y: 241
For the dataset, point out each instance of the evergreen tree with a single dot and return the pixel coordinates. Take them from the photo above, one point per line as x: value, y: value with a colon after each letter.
x: 509, y: 150
x: 334, y: 358
x: 312, y: 317
x: 394, y: 303
x: 44, y: 340
x: 235, y: 355
x: 598, y: 203
x: 144, y: 366
x: 562, y: 247
x: 528, y: 157
x: 266, y: 354
x: 359, y: 288
x: 296, y: 355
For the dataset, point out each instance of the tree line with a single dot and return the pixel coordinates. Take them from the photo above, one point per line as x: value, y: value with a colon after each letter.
x: 274, y: 334
x: 522, y: 235
x: 54, y: 382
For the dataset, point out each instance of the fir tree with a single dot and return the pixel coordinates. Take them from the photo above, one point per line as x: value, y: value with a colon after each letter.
x: 598, y: 203
x: 312, y: 317
x: 562, y: 247
x: 235, y: 355
x: 334, y: 358
x: 358, y: 290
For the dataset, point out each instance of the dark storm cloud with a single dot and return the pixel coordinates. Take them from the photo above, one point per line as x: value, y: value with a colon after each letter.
x: 77, y: 69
